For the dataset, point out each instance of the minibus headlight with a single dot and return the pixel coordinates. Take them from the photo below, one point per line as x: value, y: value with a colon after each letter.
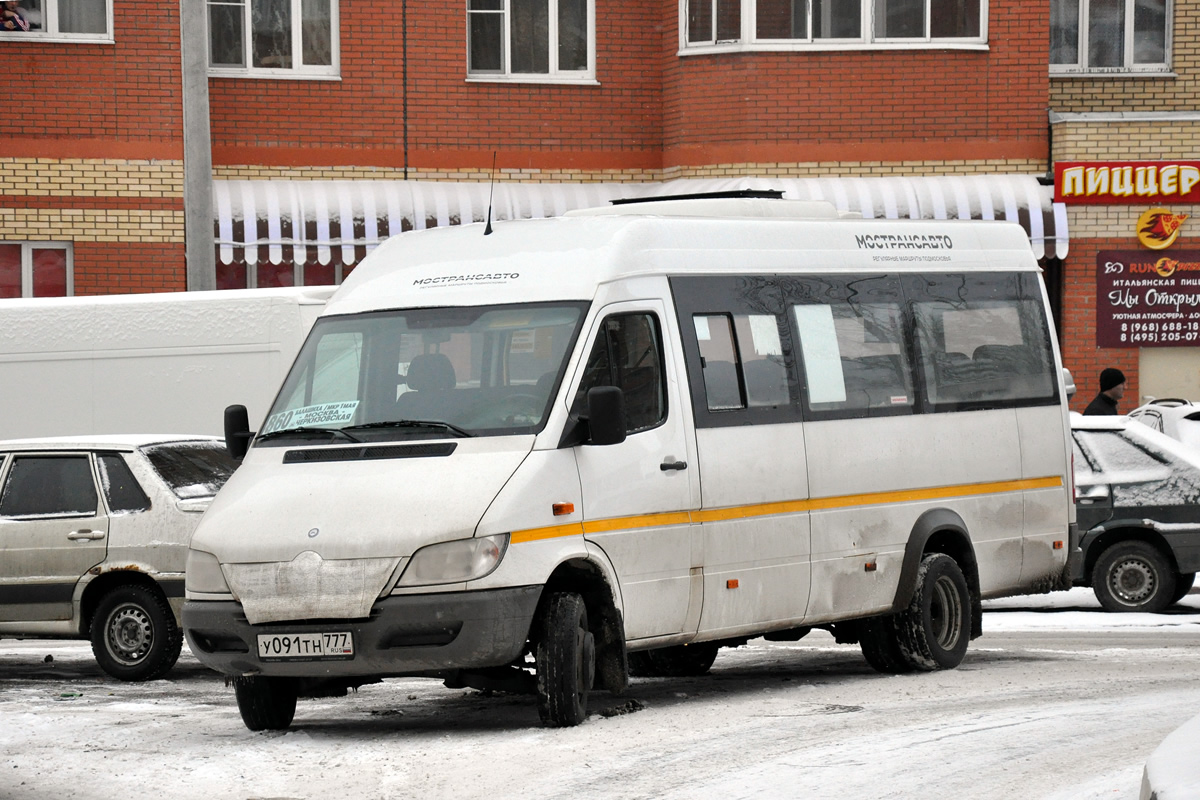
x: 203, y: 574
x: 455, y: 562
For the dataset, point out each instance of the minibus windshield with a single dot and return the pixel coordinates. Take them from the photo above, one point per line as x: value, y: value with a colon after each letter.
x: 426, y: 373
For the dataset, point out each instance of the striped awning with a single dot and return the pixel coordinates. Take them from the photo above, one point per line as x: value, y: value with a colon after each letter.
x: 339, y: 222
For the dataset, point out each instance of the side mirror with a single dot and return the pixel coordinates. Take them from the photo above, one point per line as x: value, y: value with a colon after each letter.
x: 237, y: 432
x: 606, y: 415
x: 1068, y: 382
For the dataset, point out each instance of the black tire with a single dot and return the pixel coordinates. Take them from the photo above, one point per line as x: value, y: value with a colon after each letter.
x: 566, y: 660
x: 1183, y: 585
x: 881, y: 645
x: 934, y: 630
x: 680, y: 661
x: 1133, y: 576
x: 266, y: 704
x: 134, y: 635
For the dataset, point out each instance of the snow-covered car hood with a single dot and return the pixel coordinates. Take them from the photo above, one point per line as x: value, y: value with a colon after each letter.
x: 355, y: 508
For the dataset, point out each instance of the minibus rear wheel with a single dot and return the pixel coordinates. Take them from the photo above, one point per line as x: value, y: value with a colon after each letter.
x: 934, y: 630
x: 266, y: 704
x: 565, y: 656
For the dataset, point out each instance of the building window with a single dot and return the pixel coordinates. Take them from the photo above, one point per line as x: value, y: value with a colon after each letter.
x: 58, y: 19
x: 530, y: 39
x: 35, y: 269
x: 833, y: 24
x: 273, y: 38
x: 1105, y: 36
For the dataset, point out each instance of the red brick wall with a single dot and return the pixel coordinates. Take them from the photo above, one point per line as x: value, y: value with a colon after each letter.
x: 129, y: 268
x: 874, y: 105
x: 451, y: 123
x: 1078, y: 334
x: 99, y: 100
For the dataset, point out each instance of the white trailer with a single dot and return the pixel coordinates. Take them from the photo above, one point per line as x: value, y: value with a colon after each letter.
x: 147, y: 363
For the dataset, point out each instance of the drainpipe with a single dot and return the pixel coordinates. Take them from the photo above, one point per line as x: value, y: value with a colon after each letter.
x: 199, y: 247
x: 404, y: 75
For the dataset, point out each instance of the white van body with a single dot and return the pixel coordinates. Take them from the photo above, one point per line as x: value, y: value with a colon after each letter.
x: 799, y: 447
x: 147, y: 363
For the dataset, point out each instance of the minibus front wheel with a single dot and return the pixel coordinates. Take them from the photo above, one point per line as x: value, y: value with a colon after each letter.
x: 266, y: 703
x: 565, y: 655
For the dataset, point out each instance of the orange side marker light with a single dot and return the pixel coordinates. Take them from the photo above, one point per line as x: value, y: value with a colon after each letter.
x: 732, y: 583
x: 1058, y: 545
x: 562, y: 509
x: 870, y: 566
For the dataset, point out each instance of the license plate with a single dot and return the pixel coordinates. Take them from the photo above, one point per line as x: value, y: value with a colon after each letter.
x: 305, y: 646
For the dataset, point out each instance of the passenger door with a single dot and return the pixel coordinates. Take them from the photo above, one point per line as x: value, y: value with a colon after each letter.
x: 52, y: 531
x: 638, y: 495
x: 751, y: 446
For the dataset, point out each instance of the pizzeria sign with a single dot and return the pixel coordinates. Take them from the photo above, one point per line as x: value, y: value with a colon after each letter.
x: 1111, y: 182
x: 1147, y: 299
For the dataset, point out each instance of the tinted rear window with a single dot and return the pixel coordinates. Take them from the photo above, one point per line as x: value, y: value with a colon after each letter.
x: 192, y: 469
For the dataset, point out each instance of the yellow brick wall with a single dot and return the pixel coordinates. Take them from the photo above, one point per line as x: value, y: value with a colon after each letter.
x: 1120, y: 222
x: 48, y: 177
x: 1125, y: 140
x: 92, y: 225
x: 798, y: 170
x: 1150, y: 93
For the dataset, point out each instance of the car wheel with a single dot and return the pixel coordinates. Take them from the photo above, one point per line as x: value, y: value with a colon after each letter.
x: 1133, y: 576
x: 680, y: 661
x: 1183, y: 585
x: 266, y: 704
x: 934, y: 630
x: 881, y: 646
x: 565, y: 657
x: 134, y: 635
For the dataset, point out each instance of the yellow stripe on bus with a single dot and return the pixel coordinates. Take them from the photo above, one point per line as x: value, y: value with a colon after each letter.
x: 785, y: 507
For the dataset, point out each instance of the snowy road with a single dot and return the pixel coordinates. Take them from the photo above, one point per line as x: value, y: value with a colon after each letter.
x: 1050, y: 703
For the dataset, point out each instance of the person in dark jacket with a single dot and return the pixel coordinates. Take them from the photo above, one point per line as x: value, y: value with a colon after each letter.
x: 1112, y: 389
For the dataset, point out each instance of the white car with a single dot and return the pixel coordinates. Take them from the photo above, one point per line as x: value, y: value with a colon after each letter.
x: 93, y: 540
x: 1179, y: 419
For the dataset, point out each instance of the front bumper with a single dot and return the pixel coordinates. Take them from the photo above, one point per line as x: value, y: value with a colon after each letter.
x: 418, y: 634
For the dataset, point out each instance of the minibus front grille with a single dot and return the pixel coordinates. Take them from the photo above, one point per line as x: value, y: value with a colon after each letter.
x: 325, y: 454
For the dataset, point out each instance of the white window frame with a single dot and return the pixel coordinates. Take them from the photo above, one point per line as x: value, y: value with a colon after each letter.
x: 295, y: 72
x: 50, y: 32
x: 1080, y: 67
x: 866, y: 39
x: 553, y: 75
x: 27, y: 249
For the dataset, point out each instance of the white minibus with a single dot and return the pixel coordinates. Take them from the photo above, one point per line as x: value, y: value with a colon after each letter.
x: 568, y: 450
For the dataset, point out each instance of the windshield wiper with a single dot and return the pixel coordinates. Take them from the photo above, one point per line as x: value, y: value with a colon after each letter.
x: 333, y: 432
x: 413, y: 423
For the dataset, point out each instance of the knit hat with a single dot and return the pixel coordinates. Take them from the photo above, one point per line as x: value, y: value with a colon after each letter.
x: 1111, y: 377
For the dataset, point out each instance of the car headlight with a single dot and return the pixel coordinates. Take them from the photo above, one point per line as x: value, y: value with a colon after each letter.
x: 203, y: 573
x: 455, y: 562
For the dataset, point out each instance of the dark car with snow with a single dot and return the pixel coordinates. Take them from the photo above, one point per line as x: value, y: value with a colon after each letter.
x: 1137, y: 494
x: 93, y: 540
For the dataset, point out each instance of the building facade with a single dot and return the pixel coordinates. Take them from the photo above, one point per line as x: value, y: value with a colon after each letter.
x: 331, y: 125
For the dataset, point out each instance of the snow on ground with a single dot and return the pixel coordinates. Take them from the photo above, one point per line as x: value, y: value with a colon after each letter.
x: 1058, y: 701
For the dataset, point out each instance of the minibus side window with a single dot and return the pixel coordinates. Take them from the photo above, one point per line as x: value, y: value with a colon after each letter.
x: 983, y: 341
x: 627, y: 354
x: 741, y: 359
x: 855, y: 360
